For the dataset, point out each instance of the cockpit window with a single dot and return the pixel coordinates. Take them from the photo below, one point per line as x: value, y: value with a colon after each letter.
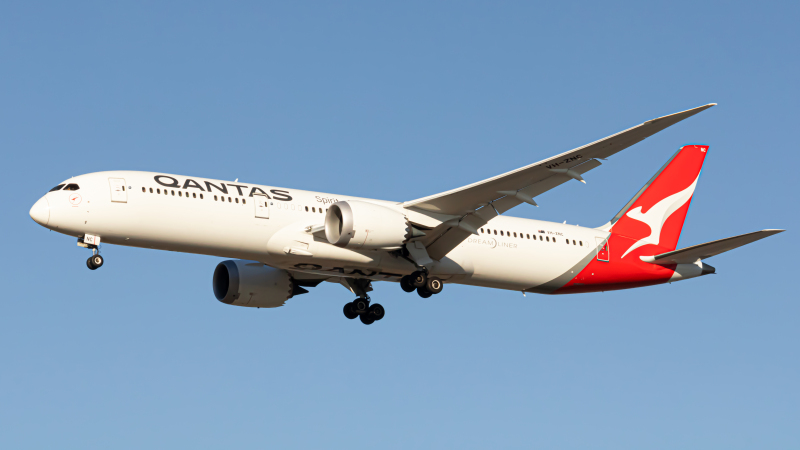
x: 72, y: 187
x: 57, y: 188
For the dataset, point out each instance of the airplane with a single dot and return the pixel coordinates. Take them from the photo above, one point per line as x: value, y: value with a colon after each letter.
x: 284, y: 241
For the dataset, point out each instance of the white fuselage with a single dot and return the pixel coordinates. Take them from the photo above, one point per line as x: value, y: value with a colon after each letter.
x: 166, y: 212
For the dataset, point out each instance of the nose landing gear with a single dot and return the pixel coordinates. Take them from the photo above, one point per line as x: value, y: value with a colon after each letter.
x: 95, y: 261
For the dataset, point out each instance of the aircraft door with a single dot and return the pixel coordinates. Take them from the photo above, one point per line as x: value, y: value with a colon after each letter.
x: 262, y: 206
x: 118, y: 192
x: 602, y: 249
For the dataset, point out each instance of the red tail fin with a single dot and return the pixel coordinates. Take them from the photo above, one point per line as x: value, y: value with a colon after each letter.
x: 656, y: 213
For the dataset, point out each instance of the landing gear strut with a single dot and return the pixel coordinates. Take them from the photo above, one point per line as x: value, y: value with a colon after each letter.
x: 421, y: 282
x: 361, y: 308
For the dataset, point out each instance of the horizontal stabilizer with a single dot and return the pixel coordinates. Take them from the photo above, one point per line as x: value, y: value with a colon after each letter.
x: 690, y: 255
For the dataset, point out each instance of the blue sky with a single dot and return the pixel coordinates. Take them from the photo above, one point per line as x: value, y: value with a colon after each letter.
x: 398, y: 101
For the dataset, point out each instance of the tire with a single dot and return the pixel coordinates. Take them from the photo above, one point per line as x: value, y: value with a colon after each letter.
x: 90, y: 265
x: 97, y: 261
x: 367, y: 319
x: 434, y: 285
x: 348, y: 311
x: 405, y: 283
x: 376, y: 311
x: 360, y: 306
x: 424, y: 293
x: 418, y: 279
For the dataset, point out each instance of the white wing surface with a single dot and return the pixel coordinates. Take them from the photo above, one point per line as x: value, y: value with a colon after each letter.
x: 469, y: 203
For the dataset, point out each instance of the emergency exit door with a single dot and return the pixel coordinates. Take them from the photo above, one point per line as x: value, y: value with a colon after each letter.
x: 602, y: 249
x: 118, y: 192
x: 262, y: 206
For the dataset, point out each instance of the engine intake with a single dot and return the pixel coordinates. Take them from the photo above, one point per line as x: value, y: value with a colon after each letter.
x: 362, y: 225
x: 251, y: 283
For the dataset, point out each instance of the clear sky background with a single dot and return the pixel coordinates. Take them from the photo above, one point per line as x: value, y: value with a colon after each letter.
x: 398, y: 101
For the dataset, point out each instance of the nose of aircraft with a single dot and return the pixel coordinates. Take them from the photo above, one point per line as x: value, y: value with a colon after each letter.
x: 40, y: 212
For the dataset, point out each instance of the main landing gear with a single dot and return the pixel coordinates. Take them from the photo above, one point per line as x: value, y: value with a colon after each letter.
x: 361, y: 308
x: 422, y: 283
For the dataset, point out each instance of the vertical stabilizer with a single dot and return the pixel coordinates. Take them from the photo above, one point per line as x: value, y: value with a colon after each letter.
x: 655, y: 215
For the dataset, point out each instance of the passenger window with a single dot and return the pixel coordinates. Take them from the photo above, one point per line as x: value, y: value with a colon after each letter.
x: 573, y: 242
x: 243, y: 202
x: 56, y: 188
x: 237, y: 199
x: 173, y: 193
x: 313, y: 209
x: 495, y: 232
x: 151, y: 190
x: 201, y: 196
x: 515, y: 234
x: 143, y: 189
x: 548, y: 238
x: 501, y: 232
x: 180, y: 194
x: 581, y: 243
x: 528, y: 235
x: 215, y: 198
x: 229, y: 200
x: 72, y: 187
x: 306, y: 208
x: 194, y: 195
x: 158, y: 191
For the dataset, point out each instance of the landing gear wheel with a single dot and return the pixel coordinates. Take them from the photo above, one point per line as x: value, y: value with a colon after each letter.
x: 418, y: 279
x: 434, y: 285
x: 423, y: 292
x: 97, y: 261
x: 406, y: 284
x: 360, y: 306
x: 90, y: 265
x: 348, y: 311
x: 367, y: 319
x: 376, y: 311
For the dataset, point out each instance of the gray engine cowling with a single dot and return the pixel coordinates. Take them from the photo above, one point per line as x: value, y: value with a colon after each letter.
x: 251, y: 283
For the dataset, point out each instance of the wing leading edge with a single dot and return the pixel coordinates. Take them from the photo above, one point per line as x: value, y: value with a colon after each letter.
x: 505, y: 191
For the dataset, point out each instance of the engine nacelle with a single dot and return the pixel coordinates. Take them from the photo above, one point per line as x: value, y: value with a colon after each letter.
x: 251, y: 283
x: 361, y: 225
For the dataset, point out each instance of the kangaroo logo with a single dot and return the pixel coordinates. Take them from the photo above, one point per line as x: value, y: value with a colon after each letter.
x: 658, y: 214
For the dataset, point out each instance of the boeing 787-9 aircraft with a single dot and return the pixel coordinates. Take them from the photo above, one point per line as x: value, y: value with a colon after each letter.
x: 286, y: 241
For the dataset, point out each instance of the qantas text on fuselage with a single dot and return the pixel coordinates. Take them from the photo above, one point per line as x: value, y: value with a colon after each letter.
x: 284, y: 242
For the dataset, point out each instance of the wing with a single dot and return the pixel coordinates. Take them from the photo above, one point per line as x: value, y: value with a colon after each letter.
x: 503, y: 192
x: 470, y: 197
x: 699, y: 252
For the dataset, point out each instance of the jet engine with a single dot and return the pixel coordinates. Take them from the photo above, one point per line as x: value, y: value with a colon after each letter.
x: 361, y: 225
x: 251, y: 283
